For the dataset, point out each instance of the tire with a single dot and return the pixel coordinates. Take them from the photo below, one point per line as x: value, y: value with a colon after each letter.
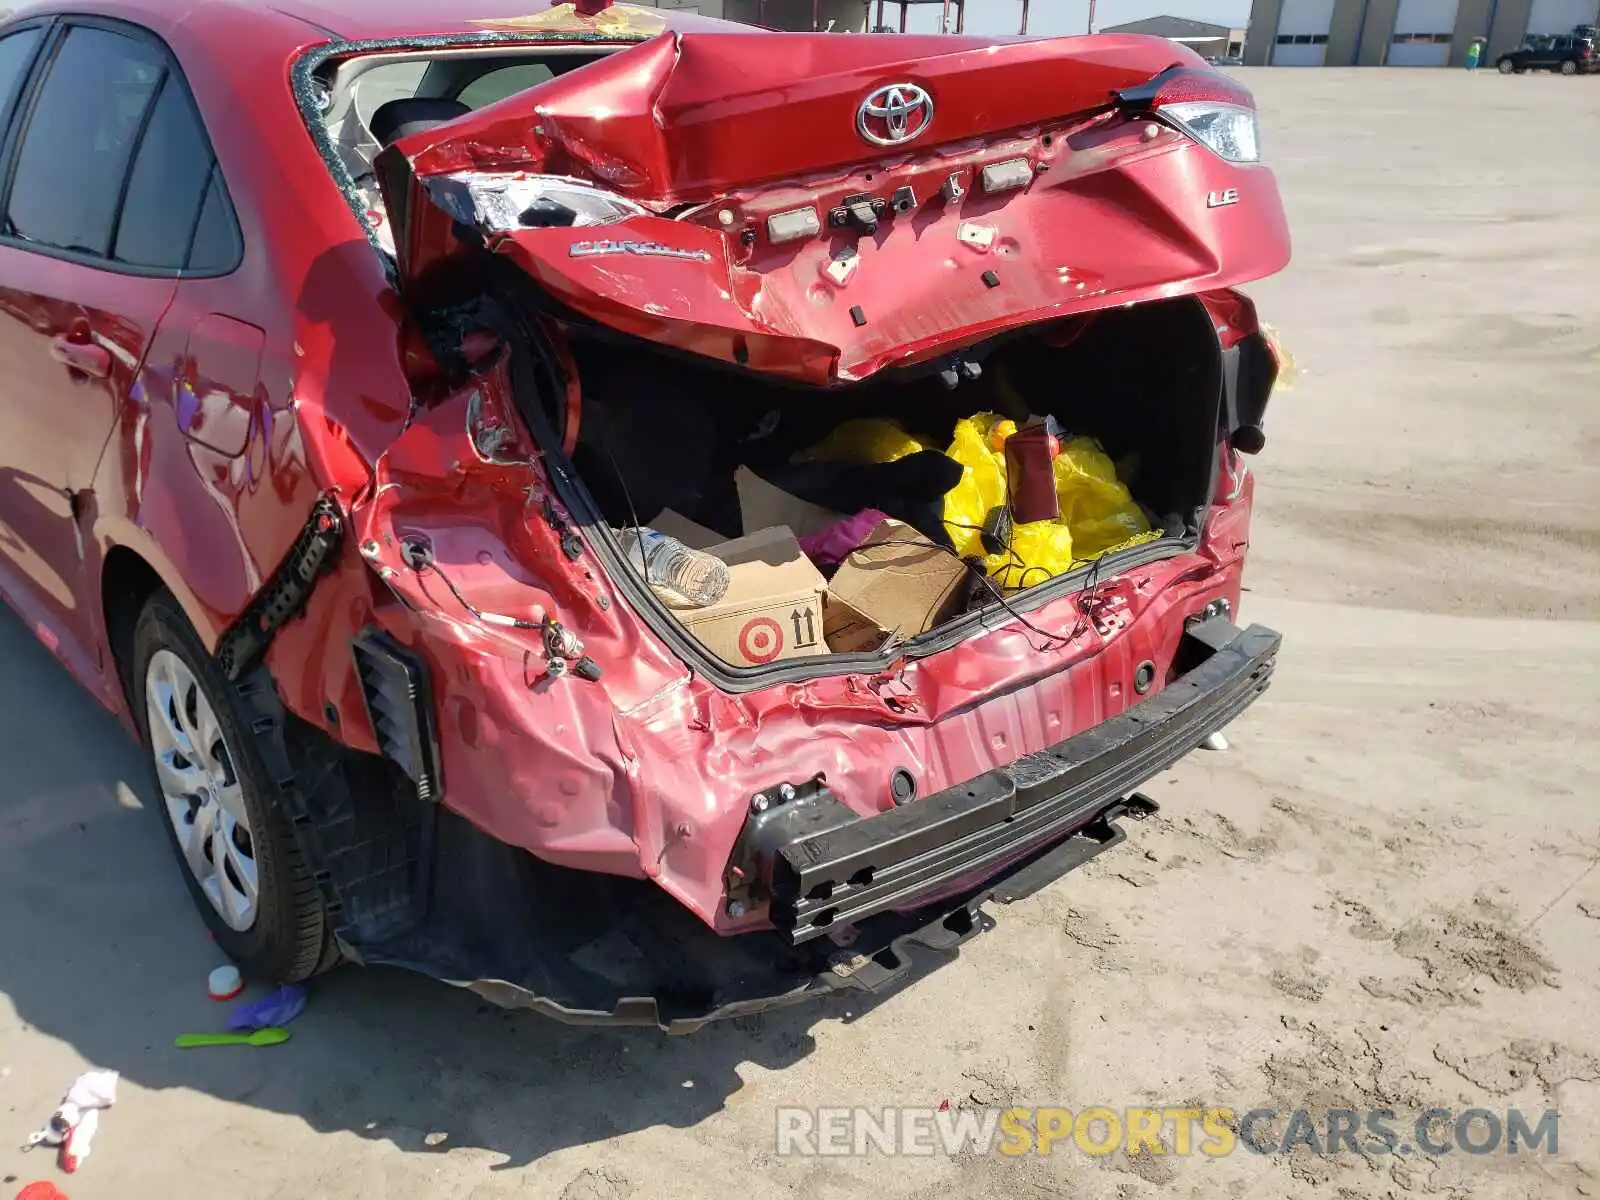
x: 218, y: 799
x: 1505, y: 66
x: 1569, y: 67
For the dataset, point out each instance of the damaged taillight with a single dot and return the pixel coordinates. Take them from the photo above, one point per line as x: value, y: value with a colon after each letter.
x: 1216, y: 111
x: 500, y: 202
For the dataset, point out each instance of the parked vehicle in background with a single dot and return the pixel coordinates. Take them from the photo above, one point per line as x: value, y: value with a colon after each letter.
x: 342, y: 341
x: 1567, y: 54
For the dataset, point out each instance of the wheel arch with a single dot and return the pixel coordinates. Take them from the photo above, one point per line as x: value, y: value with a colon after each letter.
x: 129, y: 576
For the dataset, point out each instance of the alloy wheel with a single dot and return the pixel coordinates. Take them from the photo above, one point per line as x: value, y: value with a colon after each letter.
x: 200, y: 790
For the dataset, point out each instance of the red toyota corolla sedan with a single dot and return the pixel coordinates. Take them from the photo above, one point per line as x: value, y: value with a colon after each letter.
x: 643, y: 518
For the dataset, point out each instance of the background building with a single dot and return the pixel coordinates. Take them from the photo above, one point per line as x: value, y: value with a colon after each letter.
x: 1400, y: 33
x: 1204, y: 38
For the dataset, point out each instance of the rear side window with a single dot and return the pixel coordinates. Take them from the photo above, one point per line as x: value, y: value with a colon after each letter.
x: 167, y: 185
x: 503, y: 82
x: 80, y: 137
x: 216, y: 236
x: 15, y: 51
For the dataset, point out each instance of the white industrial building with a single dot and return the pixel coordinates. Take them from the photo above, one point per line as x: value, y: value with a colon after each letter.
x: 1400, y: 33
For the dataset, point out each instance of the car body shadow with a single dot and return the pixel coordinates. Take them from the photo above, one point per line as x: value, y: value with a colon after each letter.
x: 101, y: 949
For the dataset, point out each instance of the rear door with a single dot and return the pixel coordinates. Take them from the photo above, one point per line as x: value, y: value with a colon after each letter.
x: 88, y: 264
x: 1547, y: 55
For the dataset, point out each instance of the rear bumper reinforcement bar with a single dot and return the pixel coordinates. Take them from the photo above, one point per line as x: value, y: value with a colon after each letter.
x: 838, y: 868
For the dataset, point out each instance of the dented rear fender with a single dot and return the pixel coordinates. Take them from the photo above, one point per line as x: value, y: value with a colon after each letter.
x: 648, y: 770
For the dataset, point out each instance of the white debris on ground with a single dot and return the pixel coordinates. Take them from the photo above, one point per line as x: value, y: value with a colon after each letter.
x: 72, y: 1126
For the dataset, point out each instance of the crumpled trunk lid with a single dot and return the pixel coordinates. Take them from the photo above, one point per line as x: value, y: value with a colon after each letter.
x: 890, y: 142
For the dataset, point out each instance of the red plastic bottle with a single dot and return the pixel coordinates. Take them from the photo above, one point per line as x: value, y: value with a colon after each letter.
x: 1030, y: 472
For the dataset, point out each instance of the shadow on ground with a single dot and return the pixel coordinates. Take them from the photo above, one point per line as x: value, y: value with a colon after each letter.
x: 101, y: 949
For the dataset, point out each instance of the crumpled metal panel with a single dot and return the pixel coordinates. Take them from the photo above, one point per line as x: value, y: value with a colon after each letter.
x: 683, y: 117
x: 1115, y: 209
x: 648, y: 771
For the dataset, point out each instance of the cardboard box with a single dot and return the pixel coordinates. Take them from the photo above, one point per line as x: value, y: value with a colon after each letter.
x: 846, y: 630
x: 762, y: 506
x: 690, y: 533
x: 773, y: 608
x: 899, y: 581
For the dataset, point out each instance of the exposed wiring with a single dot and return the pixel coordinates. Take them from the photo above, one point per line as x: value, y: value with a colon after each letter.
x: 633, y: 515
x: 488, y: 618
x: 417, y: 554
x: 999, y: 596
x: 565, y: 366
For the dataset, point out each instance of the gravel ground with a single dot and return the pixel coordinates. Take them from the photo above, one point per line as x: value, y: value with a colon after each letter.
x: 1385, y: 895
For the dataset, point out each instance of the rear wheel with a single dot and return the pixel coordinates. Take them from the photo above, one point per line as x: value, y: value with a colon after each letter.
x: 1505, y: 66
x: 1569, y: 67
x: 216, y: 804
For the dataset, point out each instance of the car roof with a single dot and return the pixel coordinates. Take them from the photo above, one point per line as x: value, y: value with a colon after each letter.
x: 363, y: 19
x: 380, y: 20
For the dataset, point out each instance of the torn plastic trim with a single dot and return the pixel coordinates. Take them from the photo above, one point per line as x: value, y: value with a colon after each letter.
x: 284, y: 595
x: 889, y: 951
x: 302, y: 83
x: 368, y: 844
x: 885, y: 970
x: 399, y: 699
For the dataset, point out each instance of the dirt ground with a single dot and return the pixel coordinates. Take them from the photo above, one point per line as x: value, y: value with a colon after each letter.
x: 1384, y: 895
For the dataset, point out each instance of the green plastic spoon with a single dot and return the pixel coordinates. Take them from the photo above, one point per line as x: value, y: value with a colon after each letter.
x: 270, y: 1036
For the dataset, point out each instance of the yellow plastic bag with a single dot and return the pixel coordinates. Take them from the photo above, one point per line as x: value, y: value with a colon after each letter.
x: 1287, y: 371
x: 863, y: 440
x: 1098, y: 513
x: 982, y: 486
x: 1095, y: 503
x: 1040, y: 550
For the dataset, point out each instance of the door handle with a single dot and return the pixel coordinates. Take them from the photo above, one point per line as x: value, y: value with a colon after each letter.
x: 85, y: 358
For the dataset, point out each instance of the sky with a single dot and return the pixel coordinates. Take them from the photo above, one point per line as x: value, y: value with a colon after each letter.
x: 1066, y: 16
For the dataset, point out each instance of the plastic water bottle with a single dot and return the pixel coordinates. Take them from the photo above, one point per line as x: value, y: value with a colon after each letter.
x: 669, y: 565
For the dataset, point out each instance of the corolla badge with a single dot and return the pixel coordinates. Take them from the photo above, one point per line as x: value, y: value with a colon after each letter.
x: 648, y: 249
x: 893, y: 114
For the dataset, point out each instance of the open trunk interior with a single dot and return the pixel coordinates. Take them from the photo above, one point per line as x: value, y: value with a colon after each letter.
x: 785, y: 483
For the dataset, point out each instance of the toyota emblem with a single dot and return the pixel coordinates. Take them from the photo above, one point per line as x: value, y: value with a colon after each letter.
x: 894, y: 114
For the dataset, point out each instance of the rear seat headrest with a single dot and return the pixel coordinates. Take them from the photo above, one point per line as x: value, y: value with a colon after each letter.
x: 400, y: 118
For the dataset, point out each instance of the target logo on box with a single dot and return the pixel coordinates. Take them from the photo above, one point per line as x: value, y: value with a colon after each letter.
x: 773, y: 609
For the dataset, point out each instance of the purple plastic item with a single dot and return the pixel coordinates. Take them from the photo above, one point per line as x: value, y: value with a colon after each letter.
x: 829, y: 547
x: 277, y: 1007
